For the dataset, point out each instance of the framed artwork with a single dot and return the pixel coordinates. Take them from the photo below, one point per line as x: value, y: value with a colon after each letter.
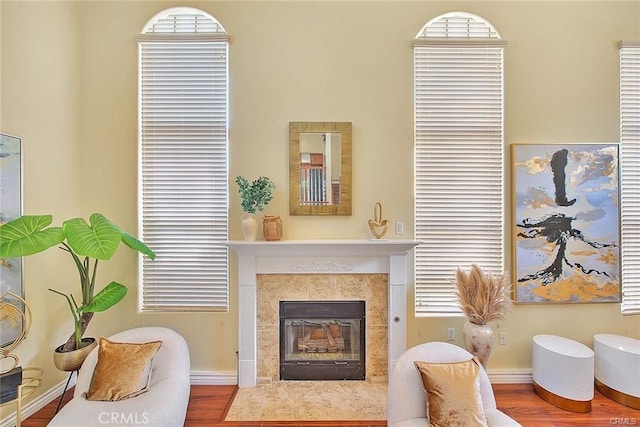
x: 10, y: 209
x: 566, y: 223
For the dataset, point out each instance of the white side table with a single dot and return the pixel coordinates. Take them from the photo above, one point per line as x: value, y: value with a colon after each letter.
x: 617, y: 368
x: 563, y: 372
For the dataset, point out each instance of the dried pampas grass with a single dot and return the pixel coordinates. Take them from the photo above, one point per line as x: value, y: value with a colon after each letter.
x: 483, y: 297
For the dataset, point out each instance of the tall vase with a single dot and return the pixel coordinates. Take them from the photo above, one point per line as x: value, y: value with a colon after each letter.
x: 478, y: 340
x: 249, y: 226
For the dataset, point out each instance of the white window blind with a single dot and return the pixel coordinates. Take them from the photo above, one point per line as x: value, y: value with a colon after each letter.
x: 630, y: 174
x: 183, y: 161
x: 459, y: 181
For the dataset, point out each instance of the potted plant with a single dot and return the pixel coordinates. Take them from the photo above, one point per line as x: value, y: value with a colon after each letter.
x: 87, y: 244
x: 255, y: 196
x: 483, y: 297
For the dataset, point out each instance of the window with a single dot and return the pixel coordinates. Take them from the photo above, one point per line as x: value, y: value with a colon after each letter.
x: 629, y: 173
x: 183, y: 182
x: 459, y: 179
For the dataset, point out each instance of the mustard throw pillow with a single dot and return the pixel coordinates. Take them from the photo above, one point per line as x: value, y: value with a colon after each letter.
x: 122, y: 370
x: 453, y: 393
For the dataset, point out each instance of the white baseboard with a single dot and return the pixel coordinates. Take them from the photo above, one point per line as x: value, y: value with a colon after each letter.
x: 214, y: 377
x: 496, y: 376
x: 510, y: 376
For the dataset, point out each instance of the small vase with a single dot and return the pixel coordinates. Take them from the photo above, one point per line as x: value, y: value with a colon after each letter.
x: 249, y: 226
x: 478, y: 340
x: 272, y: 227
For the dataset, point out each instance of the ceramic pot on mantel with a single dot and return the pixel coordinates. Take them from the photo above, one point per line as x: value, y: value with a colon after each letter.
x: 272, y: 227
x: 72, y: 360
x: 249, y: 226
x: 478, y: 340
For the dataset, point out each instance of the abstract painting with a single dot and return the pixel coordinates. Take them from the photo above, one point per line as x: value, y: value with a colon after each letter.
x: 566, y: 223
x: 10, y: 209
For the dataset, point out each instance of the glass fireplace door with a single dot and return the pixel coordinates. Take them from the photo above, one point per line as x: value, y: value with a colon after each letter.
x: 322, y: 340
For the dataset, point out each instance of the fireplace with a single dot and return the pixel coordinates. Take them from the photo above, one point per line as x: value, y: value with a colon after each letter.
x: 319, y: 258
x: 322, y: 340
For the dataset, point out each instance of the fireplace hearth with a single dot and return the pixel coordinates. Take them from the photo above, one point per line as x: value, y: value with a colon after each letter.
x: 322, y: 340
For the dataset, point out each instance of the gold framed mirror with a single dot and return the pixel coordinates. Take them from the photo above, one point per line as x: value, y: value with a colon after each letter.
x: 320, y: 168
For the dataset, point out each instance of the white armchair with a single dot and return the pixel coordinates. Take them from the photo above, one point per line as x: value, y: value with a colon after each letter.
x: 163, y: 405
x: 407, y: 401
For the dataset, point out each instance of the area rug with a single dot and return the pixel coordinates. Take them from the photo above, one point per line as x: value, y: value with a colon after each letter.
x: 310, y: 401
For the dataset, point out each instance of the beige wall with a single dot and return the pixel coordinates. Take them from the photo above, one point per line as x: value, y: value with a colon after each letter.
x: 69, y: 87
x: 40, y: 102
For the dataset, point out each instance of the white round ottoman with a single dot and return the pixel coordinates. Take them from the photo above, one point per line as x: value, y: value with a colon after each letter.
x: 563, y: 372
x: 617, y: 368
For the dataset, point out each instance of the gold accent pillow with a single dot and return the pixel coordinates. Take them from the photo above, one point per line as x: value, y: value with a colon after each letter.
x: 453, y: 393
x: 122, y: 371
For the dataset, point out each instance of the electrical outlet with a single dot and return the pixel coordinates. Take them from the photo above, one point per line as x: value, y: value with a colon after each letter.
x: 451, y: 334
x: 399, y: 227
x: 503, y: 338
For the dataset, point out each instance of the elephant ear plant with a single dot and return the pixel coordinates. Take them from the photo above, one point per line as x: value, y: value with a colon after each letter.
x: 87, y: 244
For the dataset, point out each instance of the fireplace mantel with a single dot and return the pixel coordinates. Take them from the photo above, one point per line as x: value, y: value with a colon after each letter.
x: 324, y: 247
x: 317, y: 257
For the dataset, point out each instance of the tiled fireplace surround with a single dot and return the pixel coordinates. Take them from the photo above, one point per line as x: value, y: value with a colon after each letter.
x: 273, y: 288
x: 371, y: 270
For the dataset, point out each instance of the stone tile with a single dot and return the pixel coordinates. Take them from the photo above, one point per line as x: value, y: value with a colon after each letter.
x: 376, y: 360
x: 353, y: 286
x: 363, y: 402
x: 268, y: 359
x: 273, y: 288
x: 248, y: 403
x: 293, y: 401
x: 377, y: 305
x: 311, y: 400
x: 322, y: 287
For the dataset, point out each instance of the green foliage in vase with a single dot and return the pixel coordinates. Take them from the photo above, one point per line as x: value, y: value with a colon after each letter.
x: 86, y: 243
x: 255, y: 195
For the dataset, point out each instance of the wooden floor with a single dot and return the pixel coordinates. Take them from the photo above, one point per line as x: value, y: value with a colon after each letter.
x: 208, y: 406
